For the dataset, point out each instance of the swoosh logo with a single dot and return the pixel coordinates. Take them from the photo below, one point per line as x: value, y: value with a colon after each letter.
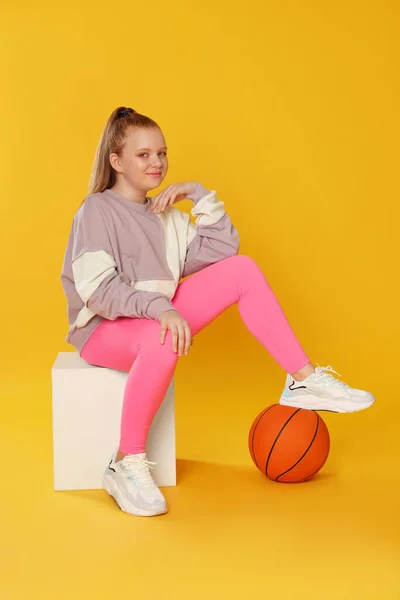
x: 110, y: 467
x: 301, y: 387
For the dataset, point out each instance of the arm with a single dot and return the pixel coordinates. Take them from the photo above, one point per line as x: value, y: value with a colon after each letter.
x: 103, y: 290
x: 213, y: 237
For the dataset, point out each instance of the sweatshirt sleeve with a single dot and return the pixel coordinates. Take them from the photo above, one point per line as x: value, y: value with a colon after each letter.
x: 213, y: 237
x: 103, y: 289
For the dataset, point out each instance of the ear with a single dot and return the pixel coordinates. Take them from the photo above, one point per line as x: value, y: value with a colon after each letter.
x: 115, y: 162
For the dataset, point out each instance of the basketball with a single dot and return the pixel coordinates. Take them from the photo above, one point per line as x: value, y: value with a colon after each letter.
x: 288, y: 444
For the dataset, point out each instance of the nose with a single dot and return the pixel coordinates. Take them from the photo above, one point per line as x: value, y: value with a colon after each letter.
x: 158, y: 162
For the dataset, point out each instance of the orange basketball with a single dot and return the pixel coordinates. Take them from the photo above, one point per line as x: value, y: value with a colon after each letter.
x: 288, y: 444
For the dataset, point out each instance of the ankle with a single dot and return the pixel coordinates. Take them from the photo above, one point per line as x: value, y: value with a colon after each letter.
x: 304, y: 372
x: 121, y: 455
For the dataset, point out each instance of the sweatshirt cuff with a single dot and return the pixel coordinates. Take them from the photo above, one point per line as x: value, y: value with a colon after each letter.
x: 198, y: 192
x: 158, y: 306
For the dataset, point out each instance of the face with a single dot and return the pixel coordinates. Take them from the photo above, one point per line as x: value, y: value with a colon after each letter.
x: 143, y: 154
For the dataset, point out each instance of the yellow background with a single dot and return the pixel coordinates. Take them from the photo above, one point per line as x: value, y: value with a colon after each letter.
x: 290, y: 110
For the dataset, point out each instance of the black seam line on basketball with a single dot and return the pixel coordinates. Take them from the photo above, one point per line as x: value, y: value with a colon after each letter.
x: 110, y: 467
x: 309, y: 476
x: 255, y: 427
x: 304, y: 453
x: 301, y: 387
x: 320, y: 467
x: 277, y: 437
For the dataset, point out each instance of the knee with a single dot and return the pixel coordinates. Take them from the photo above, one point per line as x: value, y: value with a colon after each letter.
x: 245, y: 264
x: 152, y: 346
x: 243, y: 259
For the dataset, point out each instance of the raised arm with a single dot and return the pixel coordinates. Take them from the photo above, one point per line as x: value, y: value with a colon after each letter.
x: 213, y: 237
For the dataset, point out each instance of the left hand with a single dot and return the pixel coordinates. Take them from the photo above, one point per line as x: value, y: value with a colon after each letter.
x: 172, y: 193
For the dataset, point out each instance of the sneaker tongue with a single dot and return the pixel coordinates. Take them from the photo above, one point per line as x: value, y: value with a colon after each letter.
x: 312, y: 375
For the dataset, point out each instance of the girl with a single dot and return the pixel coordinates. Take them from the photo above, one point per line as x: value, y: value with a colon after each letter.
x: 128, y: 310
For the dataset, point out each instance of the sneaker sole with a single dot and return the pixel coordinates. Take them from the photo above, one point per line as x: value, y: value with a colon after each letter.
x: 337, y: 406
x: 113, y: 490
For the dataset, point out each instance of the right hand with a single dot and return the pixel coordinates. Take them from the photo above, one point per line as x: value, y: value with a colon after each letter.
x: 181, y: 334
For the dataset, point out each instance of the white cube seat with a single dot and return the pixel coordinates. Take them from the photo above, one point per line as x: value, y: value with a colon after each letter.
x: 86, y: 416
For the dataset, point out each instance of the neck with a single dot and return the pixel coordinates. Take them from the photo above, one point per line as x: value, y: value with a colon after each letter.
x: 134, y: 195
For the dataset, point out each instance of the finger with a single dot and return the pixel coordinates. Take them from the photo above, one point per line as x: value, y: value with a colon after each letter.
x: 157, y: 207
x: 163, y: 204
x: 175, y: 335
x: 172, y: 199
x: 157, y: 199
x: 163, y: 333
x: 169, y: 199
x: 188, y: 338
x: 156, y: 203
x: 181, y: 339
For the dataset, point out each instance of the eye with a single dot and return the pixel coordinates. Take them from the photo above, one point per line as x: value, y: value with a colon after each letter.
x: 144, y: 153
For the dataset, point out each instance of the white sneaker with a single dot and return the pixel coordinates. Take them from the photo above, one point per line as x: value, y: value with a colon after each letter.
x: 130, y: 483
x: 320, y: 391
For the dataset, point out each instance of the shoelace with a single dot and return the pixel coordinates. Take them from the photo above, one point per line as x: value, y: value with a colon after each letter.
x: 322, y: 376
x: 138, y: 470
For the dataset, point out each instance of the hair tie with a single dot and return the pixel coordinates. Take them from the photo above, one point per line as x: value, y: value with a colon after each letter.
x: 128, y: 111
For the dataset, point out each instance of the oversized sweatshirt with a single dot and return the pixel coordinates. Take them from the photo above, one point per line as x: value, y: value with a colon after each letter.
x: 124, y: 260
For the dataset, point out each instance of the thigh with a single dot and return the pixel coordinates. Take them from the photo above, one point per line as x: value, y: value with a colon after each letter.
x: 203, y: 296
x: 116, y: 344
x: 200, y: 299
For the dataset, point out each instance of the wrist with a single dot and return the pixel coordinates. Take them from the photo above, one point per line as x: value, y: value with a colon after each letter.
x: 165, y: 311
x: 198, y: 192
x: 158, y: 306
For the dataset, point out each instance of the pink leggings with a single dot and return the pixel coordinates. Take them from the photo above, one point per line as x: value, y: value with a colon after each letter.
x: 133, y: 345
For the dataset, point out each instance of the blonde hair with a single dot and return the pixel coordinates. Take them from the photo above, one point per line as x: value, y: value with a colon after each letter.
x: 112, y: 139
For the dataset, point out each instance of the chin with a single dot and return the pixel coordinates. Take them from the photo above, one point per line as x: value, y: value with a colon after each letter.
x: 156, y: 184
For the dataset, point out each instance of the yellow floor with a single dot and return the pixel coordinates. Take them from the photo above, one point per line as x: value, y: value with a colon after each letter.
x: 230, y: 532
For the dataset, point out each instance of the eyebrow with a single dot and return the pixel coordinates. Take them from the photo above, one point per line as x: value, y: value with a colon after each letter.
x: 163, y: 148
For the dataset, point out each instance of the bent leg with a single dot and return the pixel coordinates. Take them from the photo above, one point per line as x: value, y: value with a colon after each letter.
x: 203, y: 296
x: 133, y: 345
